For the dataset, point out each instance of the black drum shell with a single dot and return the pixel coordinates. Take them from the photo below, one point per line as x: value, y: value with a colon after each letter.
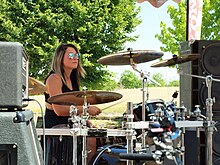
x: 150, y: 107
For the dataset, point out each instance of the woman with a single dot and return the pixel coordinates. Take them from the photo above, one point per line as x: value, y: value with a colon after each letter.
x: 64, y: 77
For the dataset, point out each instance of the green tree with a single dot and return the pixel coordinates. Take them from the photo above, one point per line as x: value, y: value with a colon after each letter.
x: 158, y: 77
x: 174, y: 83
x: 109, y: 83
x: 129, y: 80
x: 97, y: 27
x: 171, y: 37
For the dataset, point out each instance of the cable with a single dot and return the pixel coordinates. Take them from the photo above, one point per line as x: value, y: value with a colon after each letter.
x: 103, y: 150
x: 44, y: 137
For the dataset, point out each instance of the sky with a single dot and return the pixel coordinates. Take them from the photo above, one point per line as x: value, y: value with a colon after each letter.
x: 150, y: 26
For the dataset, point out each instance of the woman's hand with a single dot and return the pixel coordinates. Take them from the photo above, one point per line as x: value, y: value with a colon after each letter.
x: 94, y: 111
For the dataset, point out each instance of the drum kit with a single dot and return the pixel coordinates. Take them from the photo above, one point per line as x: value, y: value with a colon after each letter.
x: 162, y: 129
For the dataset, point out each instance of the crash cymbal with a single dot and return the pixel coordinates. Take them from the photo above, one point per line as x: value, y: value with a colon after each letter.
x: 176, y: 60
x: 35, y: 87
x: 130, y: 57
x: 77, y: 97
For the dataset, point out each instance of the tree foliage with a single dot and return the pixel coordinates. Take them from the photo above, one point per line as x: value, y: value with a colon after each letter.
x: 129, y: 80
x: 173, y: 83
x: 157, y: 77
x: 171, y: 37
x: 97, y: 27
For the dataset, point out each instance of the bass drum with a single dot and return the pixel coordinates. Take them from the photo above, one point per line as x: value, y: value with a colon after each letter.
x: 150, y: 107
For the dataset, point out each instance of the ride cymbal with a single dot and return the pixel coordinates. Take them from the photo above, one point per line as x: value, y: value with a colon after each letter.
x: 35, y: 87
x: 130, y: 57
x: 78, y: 97
x: 176, y: 60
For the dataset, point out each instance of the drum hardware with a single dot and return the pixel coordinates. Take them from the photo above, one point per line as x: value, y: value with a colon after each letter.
x: 131, y: 57
x: 130, y: 137
x: 176, y: 60
x: 197, y: 113
x: 77, y: 97
x: 209, y: 125
x: 181, y: 113
x: 84, y: 98
x: 144, y: 79
x: 74, y: 122
x: 181, y: 116
x: 125, y: 57
x: 159, y: 112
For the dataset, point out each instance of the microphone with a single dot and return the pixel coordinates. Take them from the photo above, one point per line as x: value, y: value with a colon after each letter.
x: 137, y: 156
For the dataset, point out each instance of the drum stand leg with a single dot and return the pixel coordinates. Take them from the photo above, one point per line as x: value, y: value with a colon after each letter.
x: 84, y: 152
x: 84, y: 122
x: 74, y: 123
x: 209, y: 128
x: 143, y: 112
x: 129, y: 136
x: 74, y: 150
x: 144, y: 79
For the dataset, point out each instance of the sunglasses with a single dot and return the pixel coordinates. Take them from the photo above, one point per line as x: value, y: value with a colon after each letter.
x: 72, y: 56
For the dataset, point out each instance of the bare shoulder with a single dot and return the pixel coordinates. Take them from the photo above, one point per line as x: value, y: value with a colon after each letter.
x: 53, y: 78
x: 54, y: 84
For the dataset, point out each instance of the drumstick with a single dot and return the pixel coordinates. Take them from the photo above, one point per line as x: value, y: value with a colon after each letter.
x: 114, y: 104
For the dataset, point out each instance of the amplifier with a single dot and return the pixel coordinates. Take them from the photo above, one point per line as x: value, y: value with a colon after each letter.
x: 13, y: 75
x: 19, y: 144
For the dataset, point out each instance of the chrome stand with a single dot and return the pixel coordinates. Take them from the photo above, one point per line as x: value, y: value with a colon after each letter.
x: 74, y: 123
x: 84, y: 122
x: 129, y: 136
x: 209, y: 124
x: 209, y: 129
x: 144, y: 79
x: 79, y: 123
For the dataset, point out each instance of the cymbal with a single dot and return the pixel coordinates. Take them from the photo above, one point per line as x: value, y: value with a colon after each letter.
x: 129, y: 57
x: 35, y: 87
x: 176, y: 60
x: 77, y: 97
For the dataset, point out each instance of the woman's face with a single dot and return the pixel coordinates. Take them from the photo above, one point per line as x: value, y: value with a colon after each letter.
x: 71, y: 58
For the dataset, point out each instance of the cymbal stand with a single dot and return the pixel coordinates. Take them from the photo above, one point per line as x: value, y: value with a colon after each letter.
x: 209, y: 124
x: 209, y: 129
x: 84, y: 121
x: 73, y: 122
x: 129, y: 136
x: 144, y: 79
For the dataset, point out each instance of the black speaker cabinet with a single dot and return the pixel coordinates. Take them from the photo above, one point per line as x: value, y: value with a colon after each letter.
x: 194, y: 91
x: 19, y: 144
x: 13, y: 75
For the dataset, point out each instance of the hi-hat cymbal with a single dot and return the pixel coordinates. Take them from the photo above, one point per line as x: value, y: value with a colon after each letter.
x: 35, y: 87
x: 77, y: 97
x: 176, y: 60
x: 130, y: 57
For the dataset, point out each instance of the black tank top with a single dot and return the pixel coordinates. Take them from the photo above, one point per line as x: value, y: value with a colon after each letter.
x: 51, y: 118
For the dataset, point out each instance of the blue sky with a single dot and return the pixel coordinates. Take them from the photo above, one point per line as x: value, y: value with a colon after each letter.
x: 150, y: 26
